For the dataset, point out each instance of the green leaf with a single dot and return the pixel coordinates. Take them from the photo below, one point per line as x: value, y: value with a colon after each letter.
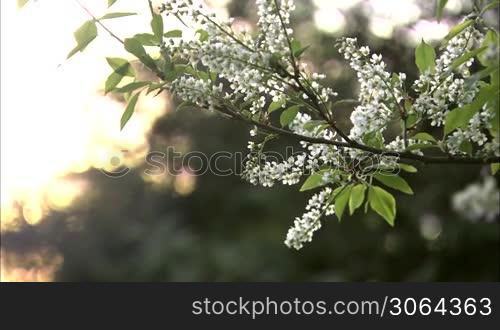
x: 341, y: 201
x: 440, y: 7
x: 129, y: 111
x: 84, y: 36
x: 383, y: 203
x: 173, y: 34
x: 132, y: 86
x: 480, y: 75
x: 345, y: 103
x: 185, y: 104
x: 357, y: 197
x: 457, y: 29
x: 155, y: 86
x: 170, y: 75
x: 467, y: 56
x: 315, y: 180
x: 408, y: 168
x: 459, y: 117
x: 395, y: 182
x: 310, y: 125
x: 182, y: 69
x: 495, y: 122
x: 494, y: 168
x: 275, y: 106
x: 111, y: 2
x: 374, y: 139
x: 412, y: 120
x: 157, y: 27
x: 203, y: 35
x: 289, y: 115
x: 334, y: 194
x: 169, y: 70
x: 490, y: 40
x: 495, y: 76
x: 204, y: 75
x: 213, y: 75
x: 425, y: 57
x: 301, y: 51
x: 466, y: 147
x: 297, y: 48
x: 136, y: 48
x: 494, y: 107
x: 113, y: 80
x: 424, y: 137
x: 117, y: 15
x: 408, y: 105
x: 490, y: 6
x: 21, y: 3
x: 488, y: 94
x: 121, y: 66
x: 146, y: 39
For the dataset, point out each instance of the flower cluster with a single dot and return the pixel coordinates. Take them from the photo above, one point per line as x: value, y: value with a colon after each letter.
x: 305, y: 226
x: 473, y: 133
x: 240, y: 59
x: 379, y: 95
x: 446, y: 89
x: 185, y: 8
x: 256, y: 68
x: 259, y: 171
x: 479, y: 200
x: 199, y: 91
x: 398, y: 145
x: 271, y: 23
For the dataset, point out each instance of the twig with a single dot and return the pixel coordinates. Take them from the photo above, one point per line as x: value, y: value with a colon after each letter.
x: 98, y: 21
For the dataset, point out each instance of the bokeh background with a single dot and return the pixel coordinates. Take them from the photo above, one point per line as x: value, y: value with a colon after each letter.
x: 63, y: 220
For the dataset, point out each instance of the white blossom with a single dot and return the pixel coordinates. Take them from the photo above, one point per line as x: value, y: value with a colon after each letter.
x: 378, y: 95
x: 479, y: 200
x: 304, y: 227
x: 445, y: 89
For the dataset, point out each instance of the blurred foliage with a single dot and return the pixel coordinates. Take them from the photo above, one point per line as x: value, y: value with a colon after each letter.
x: 228, y: 230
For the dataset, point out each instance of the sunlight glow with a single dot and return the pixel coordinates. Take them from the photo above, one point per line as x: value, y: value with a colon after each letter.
x: 427, y: 30
x: 332, y: 21
x: 56, y: 119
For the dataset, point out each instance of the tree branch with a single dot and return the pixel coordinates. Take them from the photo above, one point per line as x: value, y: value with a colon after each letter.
x: 355, y: 145
x: 348, y: 144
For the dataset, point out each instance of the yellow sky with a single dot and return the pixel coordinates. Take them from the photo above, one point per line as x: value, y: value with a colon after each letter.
x: 55, y: 118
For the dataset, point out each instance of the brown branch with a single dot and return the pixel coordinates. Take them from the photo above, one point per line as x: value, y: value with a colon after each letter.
x: 355, y: 145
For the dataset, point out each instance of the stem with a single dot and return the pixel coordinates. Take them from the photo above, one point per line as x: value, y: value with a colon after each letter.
x: 314, y: 96
x: 151, y: 9
x: 99, y: 22
x: 405, y: 134
x: 289, y: 41
x: 228, y: 34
